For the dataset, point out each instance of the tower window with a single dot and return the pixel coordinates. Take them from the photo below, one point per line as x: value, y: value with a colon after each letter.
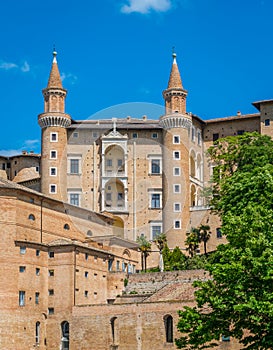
x: 51, y: 310
x: 37, y: 271
x: 218, y: 232
x: 31, y: 217
x: 52, y: 189
x: 199, y: 138
x: 154, y: 135
x: 37, y: 296
x: 168, y: 321
x: 267, y: 122
x: 53, y: 171
x: 176, y: 139
x: 134, y: 135
x: 50, y: 273
x: 177, y: 207
x: 53, y: 136
x: 176, y: 171
x: 51, y: 254
x: 53, y: 154
x: 193, y: 134
x: 176, y: 188
x: 23, y: 250
x: 37, y: 332
x: 177, y: 224
x: 176, y: 155
x: 22, y: 269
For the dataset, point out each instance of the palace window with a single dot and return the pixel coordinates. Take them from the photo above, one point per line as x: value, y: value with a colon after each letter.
x: 156, y: 229
x: 51, y: 310
x: 23, y: 250
x: 155, y: 166
x: 74, y: 166
x: 176, y: 171
x: 50, y: 273
x: 176, y: 188
x: 154, y: 135
x: 22, y: 296
x: 155, y: 200
x: 74, y: 199
x: 177, y: 224
x: 51, y: 292
x: 177, y: 207
x: 52, y: 188
x: 22, y: 269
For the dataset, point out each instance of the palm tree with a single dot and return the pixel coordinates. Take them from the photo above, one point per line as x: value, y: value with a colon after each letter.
x: 204, y: 231
x: 192, y: 241
x: 160, y: 240
x: 145, y: 248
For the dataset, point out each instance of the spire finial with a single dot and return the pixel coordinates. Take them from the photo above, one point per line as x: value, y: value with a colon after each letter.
x: 54, y: 54
x: 174, y: 54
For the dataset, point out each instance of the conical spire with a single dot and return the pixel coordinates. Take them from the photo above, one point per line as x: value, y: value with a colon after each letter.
x: 54, y: 80
x: 175, y: 78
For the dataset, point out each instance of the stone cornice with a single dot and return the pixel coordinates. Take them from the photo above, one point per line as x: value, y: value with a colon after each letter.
x: 54, y: 119
x: 175, y: 121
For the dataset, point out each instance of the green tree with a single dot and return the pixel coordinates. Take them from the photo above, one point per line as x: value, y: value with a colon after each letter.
x: 237, y: 300
x: 145, y: 248
x: 204, y: 235
x: 192, y: 241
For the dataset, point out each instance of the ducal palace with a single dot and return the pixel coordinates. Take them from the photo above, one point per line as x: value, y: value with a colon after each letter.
x: 70, y: 217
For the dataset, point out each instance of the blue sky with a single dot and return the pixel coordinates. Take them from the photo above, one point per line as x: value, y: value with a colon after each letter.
x: 113, y: 52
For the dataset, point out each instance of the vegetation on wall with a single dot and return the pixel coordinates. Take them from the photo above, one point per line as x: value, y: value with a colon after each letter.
x: 238, y: 299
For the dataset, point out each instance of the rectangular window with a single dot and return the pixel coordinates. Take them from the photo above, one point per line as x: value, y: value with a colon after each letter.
x: 22, y: 295
x: 155, y: 231
x: 74, y: 166
x: 154, y: 135
x: 37, y: 169
x: 37, y: 271
x: 51, y: 254
x: 155, y: 166
x: 119, y: 163
x: 176, y: 188
x: 240, y: 132
x: 176, y: 155
x: 3, y: 166
x: 177, y: 224
x: 85, y: 274
x: 53, y: 136
x: 86, y: 256
x: 218, y: 232
x: 23, y: 250
x: 50, y: 273
x: 51, y: 292
x: 155, y: 200
x: 177, y: 207
x: 120, y: 196
x: 22, y: 268
x: 53, y: 171
x: 53, y: 188
x: 51, y: 310
x: 176, y: 139
x: 134, y: 135
x: 75, y: 135
x: 199, y: 138
x: 176, y: 171
x: 109, y: 162
x: 74, y: 199
x: 215, y: 137
x: 53, y: 154
x: 37, y: 296
x: 95, y: 134
x: 86, y: 293
x: 108, y: 196
x: 192, y: 133
x: 118, y: 265
x: 267, y: 122
x: 38, y: 252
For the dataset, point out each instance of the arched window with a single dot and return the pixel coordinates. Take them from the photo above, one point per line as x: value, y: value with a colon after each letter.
x: 31, y: 217
x: 113, y: 330
x: 65, y: 335
x: 66, y: 227
x: 37, y: 332
x: 168, y: 323
x: 89, y: 233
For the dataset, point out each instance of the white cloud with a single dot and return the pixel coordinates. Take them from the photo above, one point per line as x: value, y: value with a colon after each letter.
x: 71, y: 78
x: 7, y: 65
x: 146, y: 6
x: 29, y: 143
x: 25, y: 67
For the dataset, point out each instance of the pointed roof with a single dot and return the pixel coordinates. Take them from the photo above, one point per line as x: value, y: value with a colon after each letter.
x: 175, y: 78
x: 54, y: 80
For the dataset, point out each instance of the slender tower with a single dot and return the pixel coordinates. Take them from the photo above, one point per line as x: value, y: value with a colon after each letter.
x: 176, y: 124
x: 54, y: 122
